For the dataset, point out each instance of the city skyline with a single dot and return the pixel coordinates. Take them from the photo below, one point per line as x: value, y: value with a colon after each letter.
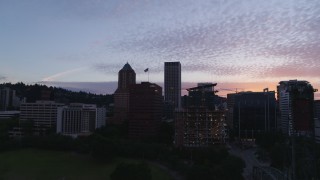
x: 247, y: 45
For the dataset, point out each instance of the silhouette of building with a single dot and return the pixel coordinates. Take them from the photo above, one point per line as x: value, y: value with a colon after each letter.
x: 41, y: 114
x: 317, y: 120
x: 145, y: 110
x: 230, y: 107
x: 252, y: 113
x: 80, y: 119
x: 202, y: 95
x: 126, y: 77
x: 9, y: 100
x: 199, y: 123
x: 296, y: 107
x: 9, y: 114
x: 172, y: 83
x: 199, y: 127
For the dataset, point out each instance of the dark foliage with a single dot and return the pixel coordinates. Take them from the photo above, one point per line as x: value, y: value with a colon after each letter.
x: 125, y: 171
x: 107, y: 143
x: 34, y: 93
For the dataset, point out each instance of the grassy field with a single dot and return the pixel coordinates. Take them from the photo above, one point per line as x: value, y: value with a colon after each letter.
x: 40, y: 164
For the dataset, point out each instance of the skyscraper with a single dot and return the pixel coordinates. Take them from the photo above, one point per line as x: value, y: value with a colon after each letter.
x: 296, y: 107
x: 126, y: 77
x: 145, y: 111
x: 172, y: 83
x: 317, y: 120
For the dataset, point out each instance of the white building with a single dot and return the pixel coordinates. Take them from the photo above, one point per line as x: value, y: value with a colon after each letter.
x: 9, y: 114
x: 80, y: 119
x: 8, y: 99
x: 42, y: 114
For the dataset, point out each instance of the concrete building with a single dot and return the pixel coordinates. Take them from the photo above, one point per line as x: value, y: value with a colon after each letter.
x: 9, y: 100
x: 79, y: 119
x: 126, y: 77
x: 208, y: 86
x: 230, y: 108
x: 145, y: 110
x: 199, y: 127
x: 172, y: 83
x: 296, y: 107
x: 199, y: 123
x: 252, y: 113
x: 42, y: 114
x: 202, y: 95
x: 9, y: 114
x: 317, y: 120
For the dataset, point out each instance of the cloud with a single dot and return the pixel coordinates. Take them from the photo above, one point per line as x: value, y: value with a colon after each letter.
x: 62, y: 74
x: 232, y: 38
x: 2, y: 78
x: 93, y: 87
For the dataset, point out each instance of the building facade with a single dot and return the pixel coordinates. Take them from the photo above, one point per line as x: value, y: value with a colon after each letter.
x: 296, y: 107
x: 9, y: 100
x: 41, y: 114
x: 199, y: 127
x: 317, y: 120
x: 253, y: 113
x: 126, y: 77
x: 145, y: 110
x: 79, y: 119
x: 172, y: 83
x: 200, y: 123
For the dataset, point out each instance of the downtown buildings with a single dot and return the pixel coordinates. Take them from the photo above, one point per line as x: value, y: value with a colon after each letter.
x: 251, y: 113
x: 296, y: 100
x: 9, y: 100
x: 145, y: 110
x: 172, y: 83
x: 126, y: 78
x: 79, y: 119
x: 139, y: 106
x: 317, y: 120
x: 200, y: 123
x: 41, y: 115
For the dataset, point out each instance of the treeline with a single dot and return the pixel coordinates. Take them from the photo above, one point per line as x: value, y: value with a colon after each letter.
x: 107, y: 143
x: 277, y: 148
x: 35, y: 92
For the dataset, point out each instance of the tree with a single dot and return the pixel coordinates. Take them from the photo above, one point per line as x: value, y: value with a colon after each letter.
x: 125, y: 171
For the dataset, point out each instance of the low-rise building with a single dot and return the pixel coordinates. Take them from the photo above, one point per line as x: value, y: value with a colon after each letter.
x: 42, y: 115
x: 80, y: 119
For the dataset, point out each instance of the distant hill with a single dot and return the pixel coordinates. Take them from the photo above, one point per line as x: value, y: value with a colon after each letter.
x: 42, y: 92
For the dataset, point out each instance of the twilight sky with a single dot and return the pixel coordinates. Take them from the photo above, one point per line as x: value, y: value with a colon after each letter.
x: 248, y: 44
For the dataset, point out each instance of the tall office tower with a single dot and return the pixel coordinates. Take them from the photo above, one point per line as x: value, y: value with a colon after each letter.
x: 296, y: 107
x: 317, y: 120
x: 41, y: 114
x: 126, y: 77
x: 172, y: 83
x: 79, y: 119
x: 145, y: 110
x: 230, y: 105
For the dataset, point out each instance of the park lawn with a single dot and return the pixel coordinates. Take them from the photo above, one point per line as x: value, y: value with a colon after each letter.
x: 41, y: 164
